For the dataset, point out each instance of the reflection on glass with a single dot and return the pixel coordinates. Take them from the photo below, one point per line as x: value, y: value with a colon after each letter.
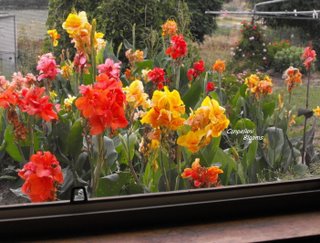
x: 140, y: 106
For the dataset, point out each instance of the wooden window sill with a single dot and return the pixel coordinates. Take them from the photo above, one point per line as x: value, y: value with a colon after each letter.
x: 267, y: 228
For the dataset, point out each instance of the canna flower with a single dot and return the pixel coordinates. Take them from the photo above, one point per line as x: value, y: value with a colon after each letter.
x: 66, y: 71
x: 144, y: 74
x: 79, y: 29
x: 259, y: 87
x: 53, y: 95
x: 68, y: 102
x: 8, y: 98
x: 198, y: 68
x: 178, y: 47
x: 309, y: 56
x: 206, y: 123
x: 102, y: 104
x: 292, y: 120
x: 157, y: 77
x: 202, y: 176
x: 219, y: 66
x: 47, y: 67
x: 135, y: 95
x: 316, y: 111
x: 75, y: 22
x: 35, y: 103
x: 134, y: 56
x: 166, y: 110
x: 42, y: 175
x: 111, y: 68
x: 54, y: 37
x: 292, y: 77
x: 169, y: 28
x: 210, y: 87
x: 191, y: 74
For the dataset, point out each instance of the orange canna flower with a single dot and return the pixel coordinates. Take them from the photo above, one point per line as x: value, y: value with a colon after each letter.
x: 259, y: 87
x: 103, y: 104
x: 169, y: 28
x: 202, y: 176
x: 292, y: 77
x: 219, y: 66
x: 54, y: 36
x: 134, y: 56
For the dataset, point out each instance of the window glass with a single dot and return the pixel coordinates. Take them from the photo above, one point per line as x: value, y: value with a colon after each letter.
x: 131, y: 97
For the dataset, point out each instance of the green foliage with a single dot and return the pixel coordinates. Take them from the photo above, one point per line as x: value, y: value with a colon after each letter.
x: 288, y: 57
x: 275, y: 47
x: 202, y: 24
x: 116, y: 18
x: 309, y: 28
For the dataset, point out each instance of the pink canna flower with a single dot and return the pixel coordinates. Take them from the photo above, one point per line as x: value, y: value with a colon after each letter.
x: 111, y: 68
x: 47, y: 67
x: 309, y: 56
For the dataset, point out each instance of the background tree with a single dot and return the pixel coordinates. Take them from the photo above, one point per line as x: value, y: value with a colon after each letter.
x: 115, y: 18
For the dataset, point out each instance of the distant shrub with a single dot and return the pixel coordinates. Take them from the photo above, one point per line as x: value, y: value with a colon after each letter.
x: 288, y: 57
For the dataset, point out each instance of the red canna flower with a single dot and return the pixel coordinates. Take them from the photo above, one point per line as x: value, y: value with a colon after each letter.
x: 309, y: 56
x: 198, y: 68
x: 202, y: 176
x: 157, y: 76
x: 35, y: 103
x: 103, y: 104
x: 178, y: 47
x: 191, y: 74
x: 210, y: 87
x: 42, y: 175
x: 47, y: 67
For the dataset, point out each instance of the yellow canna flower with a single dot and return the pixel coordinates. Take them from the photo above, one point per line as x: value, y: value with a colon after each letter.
x: 53, y: 95
x: 207, y: 122
x: 54, y: 37
x: 68, y: 102
x: 219, y: 66
x: 192, y: 140
x: 166, y: 110
x: 66, y: 71
x: 135, y: 95
x: 169, y: 28
x: 317, y: 111
x: 79, y: 29
x: 75, y: 22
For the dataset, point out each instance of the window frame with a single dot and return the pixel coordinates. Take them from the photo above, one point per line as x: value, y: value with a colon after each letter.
x: 187, y: 206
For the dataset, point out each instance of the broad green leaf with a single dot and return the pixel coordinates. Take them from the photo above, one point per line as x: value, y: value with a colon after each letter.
x: 11, y: 147
x: 275, y: 138
x: 112, y: 185
x: 124, y: 150
x: 75, y: 139
x: 193, y: 95
x: 268, y: 109
x: 228, y: 165
x: 209, y: 152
